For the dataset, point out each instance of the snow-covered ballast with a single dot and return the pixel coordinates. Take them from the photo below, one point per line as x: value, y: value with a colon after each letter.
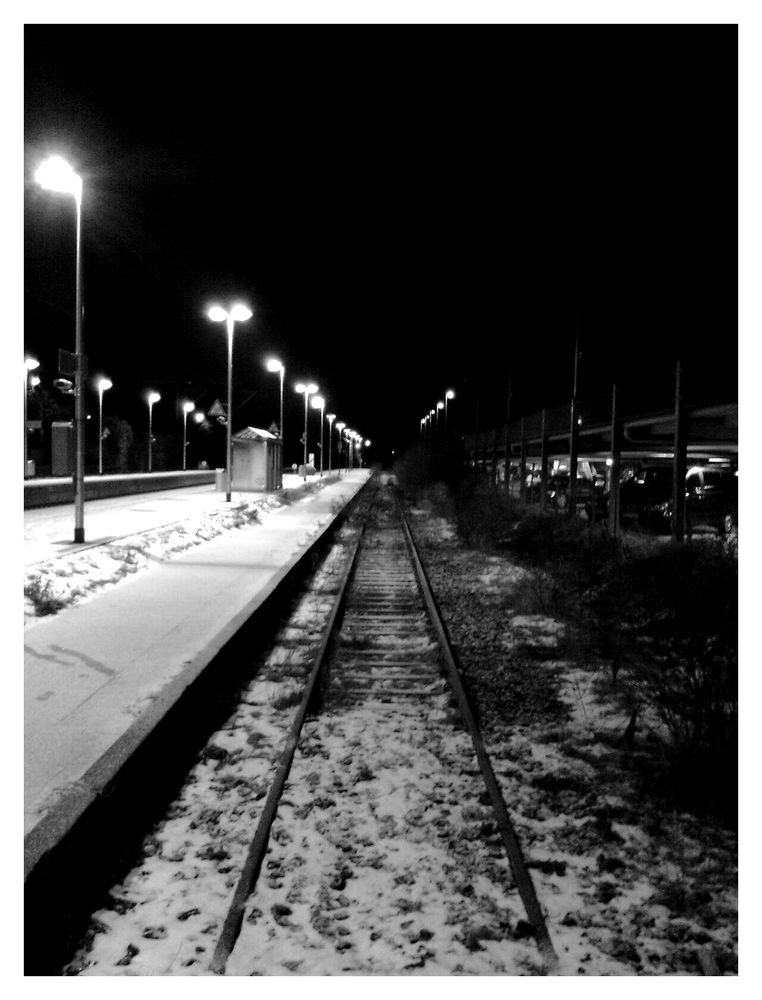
x: 257, y: 461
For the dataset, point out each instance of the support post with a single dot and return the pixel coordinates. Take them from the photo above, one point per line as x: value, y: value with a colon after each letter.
x: 523, y: 465
x: 681, y: 458
x: 543, y: 463
x: 616, y: 460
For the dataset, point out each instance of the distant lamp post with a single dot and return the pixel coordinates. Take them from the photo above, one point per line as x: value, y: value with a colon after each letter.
x: 239, y: 313
x: 308, y: 389
x: 188, y: 407
x: 448, y: 396
x: 273, y: 365
x: 440, y: 406
x: 340, y: 428
x: 318, y: 403
x: 104, y: 384
x: 55, y: 174
x: 30, y: 365
x: 330, y: 417
x: 152, y: 397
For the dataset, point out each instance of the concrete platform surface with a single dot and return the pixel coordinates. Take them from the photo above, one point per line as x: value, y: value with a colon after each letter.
x: 99, y: 676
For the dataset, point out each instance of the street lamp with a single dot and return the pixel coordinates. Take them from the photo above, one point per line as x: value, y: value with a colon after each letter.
x: 330, y: 417
x: 318, y: 403
x: 103, y: 385
x: 152, y: 397
x: 340, y: 428
x: 448, y: 396
x: 273, y: 365
x: 55, y: 174
x: 237, y: 314
x: 30, y: 364
x: 188, y: 407
x: 308, y: 390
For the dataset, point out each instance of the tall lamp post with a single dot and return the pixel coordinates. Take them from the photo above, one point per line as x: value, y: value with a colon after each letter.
x: 308, y: 389
x: 448, y: 396
x: 188, y: 407
x: 330, y: 417
x: 30, y: 364
x: 152, y: 397
x: 273, y: 365
x: 318, y: 403
x: 340, y: 428
x: 103, y: 385
x: 55, y: 174
x: 239, y: 313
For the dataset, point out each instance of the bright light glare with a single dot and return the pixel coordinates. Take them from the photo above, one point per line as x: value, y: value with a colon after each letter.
x: 240, y: 313
x: 55, y: 174
x: 217, y: 314
x: 318, y: 403
x: 309, y: 389
x: 34, y: 380
x: 450, y: 394
x: 153, y: 397
x: 340, y: 426
x: 273, y: 365
x: 30, y: 364
x: 198, y: 417
x: 104, y: 383
x: 440, y: 406
x: 189, y: 407
x: 330, y: 417
x: 367, y: 442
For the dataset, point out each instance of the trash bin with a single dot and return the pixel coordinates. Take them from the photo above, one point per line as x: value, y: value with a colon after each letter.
x: 220, y: 480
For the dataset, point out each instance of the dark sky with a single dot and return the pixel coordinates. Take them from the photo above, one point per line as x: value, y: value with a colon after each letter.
x: 405, y: 208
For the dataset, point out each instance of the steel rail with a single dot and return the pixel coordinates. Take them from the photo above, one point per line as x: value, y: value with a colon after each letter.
x: 250, y: 872
x: 508, y: 834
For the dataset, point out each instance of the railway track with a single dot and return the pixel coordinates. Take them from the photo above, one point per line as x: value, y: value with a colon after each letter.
x: 383, y: 845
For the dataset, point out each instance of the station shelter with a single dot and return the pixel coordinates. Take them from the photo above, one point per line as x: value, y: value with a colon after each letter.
x: 257, y: 461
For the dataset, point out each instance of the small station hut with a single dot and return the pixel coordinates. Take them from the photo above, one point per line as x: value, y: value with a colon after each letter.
x: 257, y: 461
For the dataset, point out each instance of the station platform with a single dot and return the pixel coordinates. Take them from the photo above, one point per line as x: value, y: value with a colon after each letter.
x: 100, y: 676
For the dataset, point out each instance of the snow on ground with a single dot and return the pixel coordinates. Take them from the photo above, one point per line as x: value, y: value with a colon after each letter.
x: 395, y: 869
x: 59, y: 582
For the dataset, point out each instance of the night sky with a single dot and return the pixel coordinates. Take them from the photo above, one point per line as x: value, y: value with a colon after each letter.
x: 406, y: 209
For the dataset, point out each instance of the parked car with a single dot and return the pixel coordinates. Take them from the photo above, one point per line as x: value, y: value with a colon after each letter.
x: 711, y: 498
x: 590, y: 494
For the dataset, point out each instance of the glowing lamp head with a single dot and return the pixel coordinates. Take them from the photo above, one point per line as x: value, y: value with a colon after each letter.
x: 440, y: 406
x: 104, y: 384
x: 340, y: 426
x: 450, y: 394
x: 330, y: 417
x: 189, y: 407
x: 240, y: 313
x: 153, y: 397
x: 198, y: 417
x: 318, y: 403
x: 55, y: 174
x: 273, y: 365
x: 30, y: 364
x: 367, y: 442
x: 217, y: 314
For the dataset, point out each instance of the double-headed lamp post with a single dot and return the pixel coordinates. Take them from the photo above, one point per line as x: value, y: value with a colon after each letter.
x: 330, y: 417
x: 30, y: 364
x: 340, y: 428
x: 188, y: 407
x: 309, y: 389
x: 151, y: 398
x: 318, y: 403
x: 103, y: 385
x: 273, y: 365
x: 238, y: 313
x: 55, y: 174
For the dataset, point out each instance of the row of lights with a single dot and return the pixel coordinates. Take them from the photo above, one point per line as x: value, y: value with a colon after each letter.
x: 428, y: 419
x: 55, y: 174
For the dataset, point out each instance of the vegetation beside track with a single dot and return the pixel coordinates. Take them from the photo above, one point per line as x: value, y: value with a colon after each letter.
x: 657, y: 623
